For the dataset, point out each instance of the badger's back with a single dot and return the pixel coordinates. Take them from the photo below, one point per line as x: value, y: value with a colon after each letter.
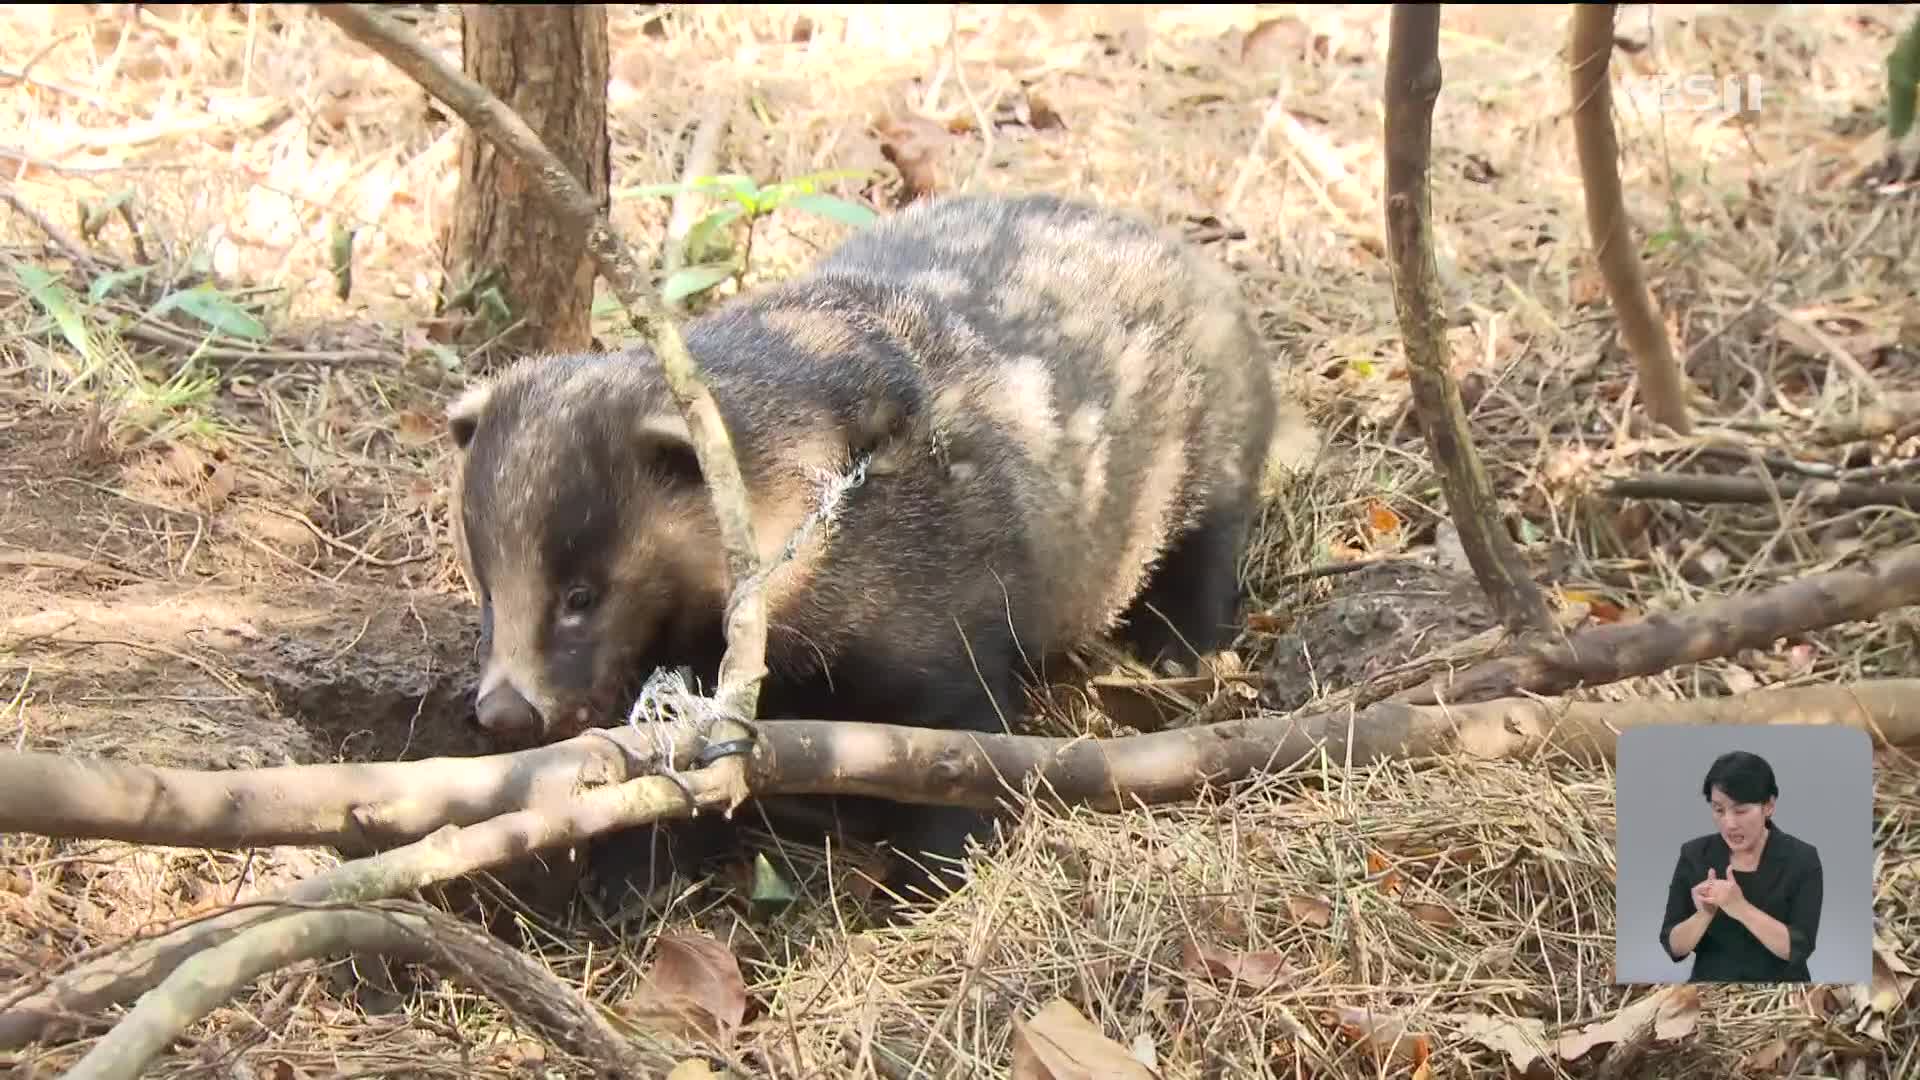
x: 1079, y: 386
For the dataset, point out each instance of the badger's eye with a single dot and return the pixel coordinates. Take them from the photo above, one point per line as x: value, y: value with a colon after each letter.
x: 578, y: 600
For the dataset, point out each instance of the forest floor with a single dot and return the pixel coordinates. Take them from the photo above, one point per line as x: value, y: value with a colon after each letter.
x: 237, y: 555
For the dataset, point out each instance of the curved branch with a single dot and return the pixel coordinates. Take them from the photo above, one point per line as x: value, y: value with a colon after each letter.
x: 409, y: 931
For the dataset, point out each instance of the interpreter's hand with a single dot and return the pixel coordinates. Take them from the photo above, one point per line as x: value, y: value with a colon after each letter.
x: 1703, y: 897
x: 1722, y: 892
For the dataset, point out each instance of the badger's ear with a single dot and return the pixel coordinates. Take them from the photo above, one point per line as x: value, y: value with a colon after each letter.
x: 667, y: 446
x: 463, y: 416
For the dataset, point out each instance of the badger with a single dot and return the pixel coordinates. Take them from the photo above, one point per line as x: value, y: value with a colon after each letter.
x: 1063, y: 414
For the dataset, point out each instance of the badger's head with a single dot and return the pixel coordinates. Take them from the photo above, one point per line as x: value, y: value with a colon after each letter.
x: 587, y: 536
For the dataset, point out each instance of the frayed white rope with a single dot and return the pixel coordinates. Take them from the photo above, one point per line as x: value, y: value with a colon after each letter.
x: 667, y: 705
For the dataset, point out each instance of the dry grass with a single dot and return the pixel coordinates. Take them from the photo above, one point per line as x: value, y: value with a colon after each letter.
x: 241, y: 137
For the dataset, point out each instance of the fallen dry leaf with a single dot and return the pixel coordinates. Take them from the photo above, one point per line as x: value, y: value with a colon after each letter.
x: 1606, y: 611
x: 1892, y: 980
x: 692, y: 1069
x: 416, y: 428
x: 1259, y: 970
x: 1261, y: 622
x: 1765, y: 1059
x: 1631, y: 523
x: 521, y: 1055
x: 1713, y: 563
x: 912, y: 146
x: 1381, y: 519
x: 1274, y: 43
x: 1588, y: 288
x: 1522, y: 1039
x: 1738, y: 679
x: 1821, y: 1002
x: 1377, y: 864
x: 1434, y: 915
x: 1819, y: 330
x: 695, y: 984
x: 1599, y: 608
x: 1385, y: 1033
x: 1673, y: 1012
x: 1310, y: 910
x: 1058, y: 1043
x: 1038, y: 113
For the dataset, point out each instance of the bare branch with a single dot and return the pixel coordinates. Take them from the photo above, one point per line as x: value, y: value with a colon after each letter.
x: 1607, y: 224
x: 1413, y: 84
x: 440, y: 856
x: 1895, y: 413
x: 1660, y: 642
x: 357, y: 808
x: 1747, y: 489
x: 406, y: 931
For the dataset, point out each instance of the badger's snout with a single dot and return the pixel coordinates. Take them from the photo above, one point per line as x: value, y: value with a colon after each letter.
x: 504, y: 714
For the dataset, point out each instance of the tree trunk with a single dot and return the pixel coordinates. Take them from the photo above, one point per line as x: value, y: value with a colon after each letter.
x: 1412, y: 86
x: 1663, y: 391
x: 508, y: 256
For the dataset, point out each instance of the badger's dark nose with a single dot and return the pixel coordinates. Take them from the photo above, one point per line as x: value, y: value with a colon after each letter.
x: 504, y: 714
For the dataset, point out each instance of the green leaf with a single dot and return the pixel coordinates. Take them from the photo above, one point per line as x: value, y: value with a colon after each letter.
x: 768, y: 888
x: 493, y: 304
x: 689, y: 280
x: 645, y: 191
x: 103, y: 285
x: 342, y: 254
x: 97, y: 216
x: 812, y: 181
x: 50, y: 294
x: 675, y: 187
x: 444, y: 355
x: 732, y: 181
x: 1903, y: 81
x: 701, y: 234
x: 216, y: 309
x: 741, y: 189
x: 828, y: 206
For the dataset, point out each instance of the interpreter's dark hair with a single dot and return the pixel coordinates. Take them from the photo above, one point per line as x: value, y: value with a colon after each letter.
x: 1745, y: 777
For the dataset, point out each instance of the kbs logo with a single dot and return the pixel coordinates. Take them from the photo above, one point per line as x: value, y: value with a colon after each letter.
x: 1726, y: 96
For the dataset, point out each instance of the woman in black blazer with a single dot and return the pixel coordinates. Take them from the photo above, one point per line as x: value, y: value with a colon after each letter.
x: 1744, y: 901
